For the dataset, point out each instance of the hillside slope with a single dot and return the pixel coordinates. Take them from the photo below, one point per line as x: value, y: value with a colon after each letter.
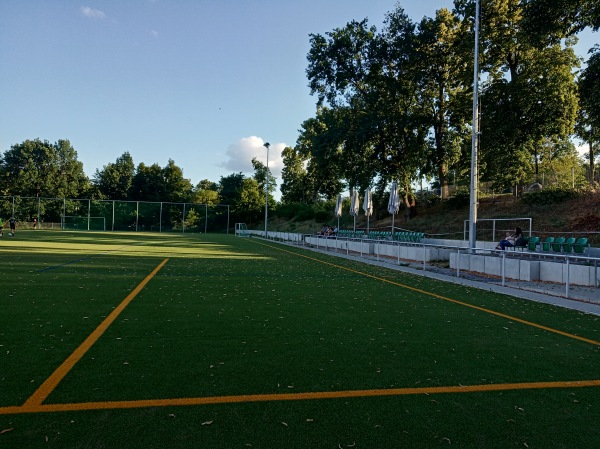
x: 579, y: 217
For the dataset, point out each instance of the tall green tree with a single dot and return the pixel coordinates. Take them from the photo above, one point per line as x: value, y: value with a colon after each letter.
x: 296, y: 185
x: 588, y: 119
x: 262, y: 174
x: 375, y: 128
x: 321, y: 144
x: 529, y: 94
x: 243, y: 196
x: 549, y: 21
x: 252, y: 201
x: 155, y: 183
x: 340, y: 73
x: 444, y: 67
x: 40, y: 168
x: 148, y: 184
x: 206, y: 192
x: 178, y: 189
x: 115, y: 179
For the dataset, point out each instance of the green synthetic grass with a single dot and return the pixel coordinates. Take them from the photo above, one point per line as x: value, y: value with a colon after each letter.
x: 229, y: 316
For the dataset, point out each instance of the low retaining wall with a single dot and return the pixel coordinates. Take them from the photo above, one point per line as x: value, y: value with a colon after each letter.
x: 490, y: 264
x: 528, y: 270
x: 404, y: 251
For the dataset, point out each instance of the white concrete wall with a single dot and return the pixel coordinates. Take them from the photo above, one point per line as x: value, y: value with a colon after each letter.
x: 514, y: 268
x: 528, y: 270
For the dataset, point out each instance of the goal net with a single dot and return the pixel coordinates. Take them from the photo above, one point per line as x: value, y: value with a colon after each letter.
x: 241, y: 230
x: 83, y: 223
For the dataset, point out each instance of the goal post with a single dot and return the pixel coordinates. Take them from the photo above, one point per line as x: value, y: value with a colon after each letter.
x: 83, y: 223
x: 241, y: 230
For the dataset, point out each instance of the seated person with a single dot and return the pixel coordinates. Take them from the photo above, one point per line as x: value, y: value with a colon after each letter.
x: 511, y: 240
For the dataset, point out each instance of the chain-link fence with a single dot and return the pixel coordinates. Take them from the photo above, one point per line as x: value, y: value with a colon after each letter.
x: 112, y: 215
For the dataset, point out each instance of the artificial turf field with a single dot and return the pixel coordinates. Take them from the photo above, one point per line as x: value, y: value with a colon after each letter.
x: 111, y: 340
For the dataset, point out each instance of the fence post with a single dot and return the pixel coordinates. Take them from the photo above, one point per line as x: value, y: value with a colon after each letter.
x: 503, y: 268
x: 568, y: 279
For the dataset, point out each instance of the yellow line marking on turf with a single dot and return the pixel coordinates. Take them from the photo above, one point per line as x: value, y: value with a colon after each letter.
x: 50, y: 384
x: 435, y: 295
x: 177, y: 402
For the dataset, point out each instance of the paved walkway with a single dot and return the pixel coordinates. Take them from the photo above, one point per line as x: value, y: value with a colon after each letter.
x: 583, y: 299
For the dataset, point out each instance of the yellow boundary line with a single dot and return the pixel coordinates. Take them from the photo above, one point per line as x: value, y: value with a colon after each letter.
x: 51, y: 382
x: 435, y: 295
x: 215, y: 400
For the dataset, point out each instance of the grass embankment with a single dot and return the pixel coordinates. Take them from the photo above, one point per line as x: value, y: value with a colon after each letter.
x: 580, y: 215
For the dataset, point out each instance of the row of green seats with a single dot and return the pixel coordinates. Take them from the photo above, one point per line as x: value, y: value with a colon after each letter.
x: 408, y: 236
x: 383, y: 235
x: 380, y: 235
x: 560, y: 244
x: 349, y: 233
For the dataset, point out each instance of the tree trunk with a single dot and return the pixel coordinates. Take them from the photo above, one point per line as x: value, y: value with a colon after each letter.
x: 443, y: 175
x: 410, y: 203
x: 592, y: 155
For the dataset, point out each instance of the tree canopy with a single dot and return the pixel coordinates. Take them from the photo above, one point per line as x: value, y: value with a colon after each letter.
x: 393, y: 104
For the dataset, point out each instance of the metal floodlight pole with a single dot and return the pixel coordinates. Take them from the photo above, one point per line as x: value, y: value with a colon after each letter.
x: 160, y: 218
x: 228, y: 219
x: 475, y: 139
x: 267, y: 145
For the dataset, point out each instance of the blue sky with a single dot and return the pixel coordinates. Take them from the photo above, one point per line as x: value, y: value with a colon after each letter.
x: 202, y: 82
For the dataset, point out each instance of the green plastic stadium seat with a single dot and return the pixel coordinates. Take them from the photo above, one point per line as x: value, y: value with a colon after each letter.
x: 546, y: 244
x: 533, y: 243
x: 580, y: 246
x: 568, y: 244
x: 557, y: 244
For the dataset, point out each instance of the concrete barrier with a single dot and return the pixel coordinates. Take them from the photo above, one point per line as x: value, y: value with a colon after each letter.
x: 491, y: 264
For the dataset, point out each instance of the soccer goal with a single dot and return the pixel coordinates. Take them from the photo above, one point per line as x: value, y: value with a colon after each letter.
x: 83, y: 223
x: 241, y: 230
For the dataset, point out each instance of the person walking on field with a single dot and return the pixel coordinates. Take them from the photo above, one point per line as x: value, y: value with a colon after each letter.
x: 12, y: 223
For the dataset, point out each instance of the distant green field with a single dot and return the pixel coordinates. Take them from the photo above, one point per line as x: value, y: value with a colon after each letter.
x: 132, y: 340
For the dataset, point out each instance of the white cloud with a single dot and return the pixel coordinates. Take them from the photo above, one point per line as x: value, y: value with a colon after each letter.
x: 239, y: 156
x: 154, y: 33
x: 92, y: 13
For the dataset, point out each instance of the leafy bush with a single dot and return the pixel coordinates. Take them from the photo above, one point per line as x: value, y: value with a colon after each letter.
x: 304, y: 212
x: 550, y: 196
x: 431, y: 199
x: 460, y: 199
